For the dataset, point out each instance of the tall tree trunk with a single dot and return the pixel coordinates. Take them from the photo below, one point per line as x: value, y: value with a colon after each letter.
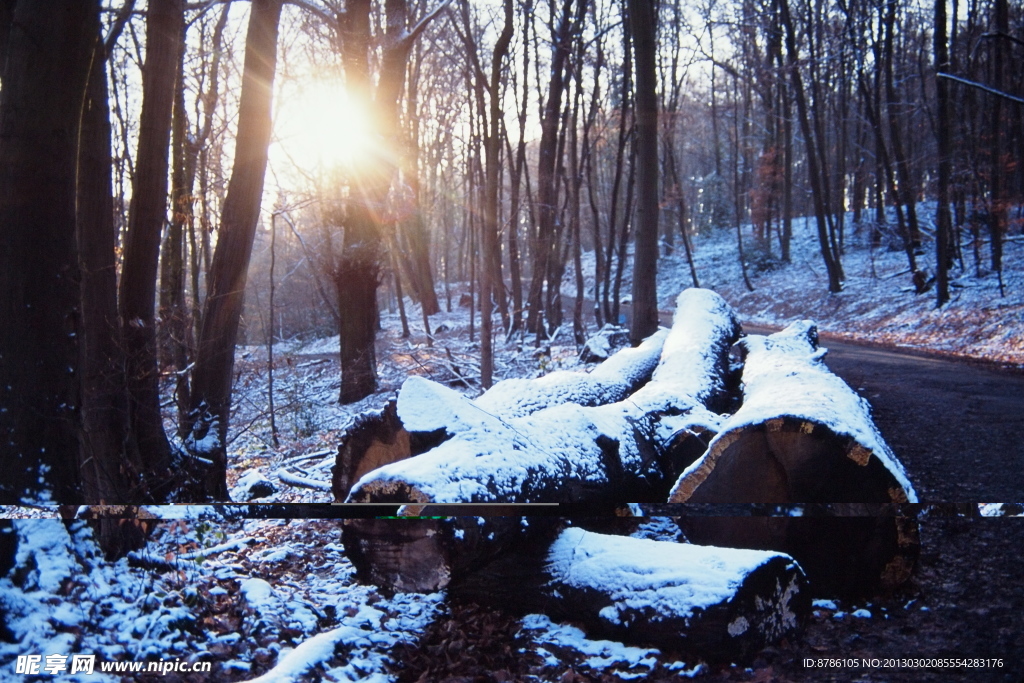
x: 148, y: 213
x: 358, y: 268
x: 547, y: 199
x: 414, y: 228
x: 643, y: 24
x: 215, y: 352
x: 611, y: 310
x: 175, y: 334
x: 835, y: 283
x: 109, y: 462
x: 893, y: 108
x: 944, y: 225
x: 999, y: 201
x: 6, y: 19
x: 491, y: 246
x: 787, y: 170
x: 44, y: 84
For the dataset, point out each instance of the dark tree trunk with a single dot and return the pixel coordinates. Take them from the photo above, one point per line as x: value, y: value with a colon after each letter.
x: 6, y: 19
x: 147, y: 216
x: 835, y: 283
x: 357, y: 272
x: 44, y: 85
x: 999, y: 201
x: 643, y: 24
x: 944, y: 225
x: 215, y: 352
x: 109, y: 464
x: 894, y: 109
x: 491, y: 277
x: 175, y: 334
x: 545, y: 248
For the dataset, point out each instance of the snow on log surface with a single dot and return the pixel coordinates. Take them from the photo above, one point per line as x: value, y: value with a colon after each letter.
x: 714, y: 602
x: 611, y: 381
x: 562, y: 454
x: 566, y: 452
x: 411, y: 425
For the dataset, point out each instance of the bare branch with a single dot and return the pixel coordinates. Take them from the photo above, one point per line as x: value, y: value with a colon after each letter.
x: 406, y: 41
x: 117, y: 27
x: 981, y: 86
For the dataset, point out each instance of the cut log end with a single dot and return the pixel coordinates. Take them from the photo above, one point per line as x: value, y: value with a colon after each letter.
x: 788, y: 460
x: 376, y: 439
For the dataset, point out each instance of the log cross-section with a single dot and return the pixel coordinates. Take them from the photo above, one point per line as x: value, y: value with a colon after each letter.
x: 801, y: 436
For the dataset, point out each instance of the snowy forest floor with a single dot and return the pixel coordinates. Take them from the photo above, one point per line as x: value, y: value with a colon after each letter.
x: 243, y: 593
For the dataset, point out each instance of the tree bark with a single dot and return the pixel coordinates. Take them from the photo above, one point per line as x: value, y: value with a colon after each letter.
x: 545, y: 247
x: 357, y: 272
x: 147, y: 216
x: 491, y: 246
x: 44, y: 83
x: 215, y: 353
x: 944, y: 223
x: 999, y: 200
x: 109, y: 461
x: 643, y: 24
x: 835, y: 283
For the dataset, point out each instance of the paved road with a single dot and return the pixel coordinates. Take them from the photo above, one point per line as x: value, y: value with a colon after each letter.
x: 958, y: 427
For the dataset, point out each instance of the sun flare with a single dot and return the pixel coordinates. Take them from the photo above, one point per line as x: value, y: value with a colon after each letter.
x: 320, y: 127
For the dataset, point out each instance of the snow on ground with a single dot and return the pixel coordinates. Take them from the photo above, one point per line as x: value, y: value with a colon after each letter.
x: 242, y: 594
x: 877, y: 303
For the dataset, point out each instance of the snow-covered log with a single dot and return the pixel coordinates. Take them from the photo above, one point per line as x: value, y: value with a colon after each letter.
x: 567, y: 453
x: 714, y: 602
x: 403, y: 428
x: 803, y: 436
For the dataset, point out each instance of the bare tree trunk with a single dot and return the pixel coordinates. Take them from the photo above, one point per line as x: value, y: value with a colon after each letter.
x: 174, y: 333
x: 215, y: 353
x: 491, y: 246
x: 999, y: 201
x: 547, y: 198
x: 271, y: 333
x: 643, y: 24
x: 944, y: 225
x: 623, y: 246
x: 147, y: 216
x: 820, y: 209
x: 358, y: 268
x: 44, y: 84
x: 611, y: 310
x: 109, y: 462
x: 6, y: 19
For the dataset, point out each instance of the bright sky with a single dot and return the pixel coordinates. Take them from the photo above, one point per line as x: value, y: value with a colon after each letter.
x: 317, y: 127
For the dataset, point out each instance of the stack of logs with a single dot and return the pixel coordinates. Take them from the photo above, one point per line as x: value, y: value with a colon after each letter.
x: 693, y: 418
